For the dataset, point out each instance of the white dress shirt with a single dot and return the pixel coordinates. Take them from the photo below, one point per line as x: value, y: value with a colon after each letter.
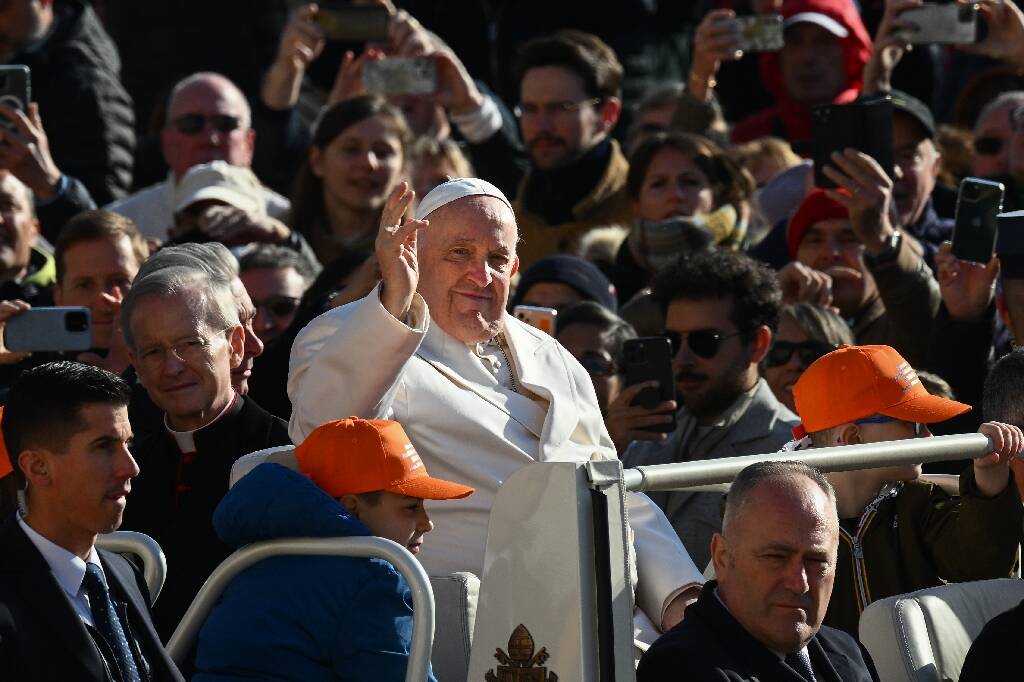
x: 67, y: 568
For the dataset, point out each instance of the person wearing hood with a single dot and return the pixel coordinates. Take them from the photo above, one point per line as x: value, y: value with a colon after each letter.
x: 323, y: 617
x: 826, y: 47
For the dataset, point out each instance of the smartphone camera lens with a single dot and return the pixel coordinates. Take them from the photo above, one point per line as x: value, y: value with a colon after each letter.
x: 76, y: 321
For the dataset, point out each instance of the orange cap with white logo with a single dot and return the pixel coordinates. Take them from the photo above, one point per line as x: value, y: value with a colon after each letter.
x: 855, y: 382
x: 353, y: 456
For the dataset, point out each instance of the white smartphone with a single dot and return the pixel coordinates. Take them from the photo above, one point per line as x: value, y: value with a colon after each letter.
x: 60, y: 328
x: 401, y: 76
x: 535, y: 316
x: 947, y: 23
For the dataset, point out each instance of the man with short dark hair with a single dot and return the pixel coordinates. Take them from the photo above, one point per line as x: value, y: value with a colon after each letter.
x: 775, y: 562
x: 67, y: 610
x: 276, y: 278
x: 184, y: 336
x: 721, y: 311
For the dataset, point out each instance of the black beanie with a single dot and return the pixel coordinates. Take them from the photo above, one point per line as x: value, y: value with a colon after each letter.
x: 581, y: 275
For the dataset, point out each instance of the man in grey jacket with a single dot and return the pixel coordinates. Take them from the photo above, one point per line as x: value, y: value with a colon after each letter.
x: 721, y: 311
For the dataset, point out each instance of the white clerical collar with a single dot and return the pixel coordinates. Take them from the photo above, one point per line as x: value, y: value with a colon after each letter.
x: 67, y: 567
x: 186, y: 440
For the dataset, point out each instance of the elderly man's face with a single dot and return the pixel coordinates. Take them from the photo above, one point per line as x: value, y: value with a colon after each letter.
x: 21, y: 22
x: 183, y: 364
x: 916, y: 169
x: 776, y: 561
x: 207, y: 121
x: 19, y: 230
x: 811, y: 63
x: 832, y: 247
x: 467, y: 256
x: 252, y: 346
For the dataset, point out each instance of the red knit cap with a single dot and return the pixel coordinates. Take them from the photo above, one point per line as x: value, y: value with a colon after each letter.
x: 816, y: 207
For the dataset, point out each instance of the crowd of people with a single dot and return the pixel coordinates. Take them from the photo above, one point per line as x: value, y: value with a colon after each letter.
x: 273, y: 253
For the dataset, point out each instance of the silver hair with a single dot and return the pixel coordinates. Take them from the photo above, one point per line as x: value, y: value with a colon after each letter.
x: 211, y: 298
x: 755, y: 475
x: 213, y: 258
x: 220, y: 79
x: 1014, y: 97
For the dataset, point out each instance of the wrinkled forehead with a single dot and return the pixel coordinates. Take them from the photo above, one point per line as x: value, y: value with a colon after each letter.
x: 12, y: 189
x: 474, y: 216
x: 209, y: 95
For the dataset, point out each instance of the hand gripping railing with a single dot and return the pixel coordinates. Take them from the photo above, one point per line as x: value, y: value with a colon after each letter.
x: 154, y: 563
x: 842, y: 458
x: 185, y: 634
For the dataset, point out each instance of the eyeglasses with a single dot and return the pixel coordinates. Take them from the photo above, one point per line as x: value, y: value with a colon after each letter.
x: 988, y: 146
x: 551, y: 109
x: 598, y: 364
x: 704, y: 343
x: 193, y: 124
x: 919, y: 429
x: 190, y: 351
x: 808, y: 351
x: 278, y: 306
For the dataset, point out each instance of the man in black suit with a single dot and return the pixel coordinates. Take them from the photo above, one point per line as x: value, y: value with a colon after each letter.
x: 184, y: 336
x: 67, y: 610
x: 775, y: 561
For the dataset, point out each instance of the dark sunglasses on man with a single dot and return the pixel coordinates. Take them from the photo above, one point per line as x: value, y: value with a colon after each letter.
x: 277, y: 305
x: 704, y: 343
x: 782, y: 352
x: 193, y: 124
x: 598, y: 364
x: 988, y: 146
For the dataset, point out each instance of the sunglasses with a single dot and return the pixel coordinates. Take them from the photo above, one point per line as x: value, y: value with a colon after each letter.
x: 988, y: 146
x: 808, y: 351
x: 597, y: 364
x: 193, y: 124
x: 919, y: 429
x: 704, y: 343
x: 278, y: 306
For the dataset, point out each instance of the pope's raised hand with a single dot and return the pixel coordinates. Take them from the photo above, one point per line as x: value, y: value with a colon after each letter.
x: 396, y: 252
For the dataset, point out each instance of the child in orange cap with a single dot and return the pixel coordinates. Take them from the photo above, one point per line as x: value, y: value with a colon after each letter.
x: 899, y: 534
x: 323, y: 618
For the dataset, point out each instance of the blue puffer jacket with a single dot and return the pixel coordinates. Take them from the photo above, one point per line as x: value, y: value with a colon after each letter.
x: 302, y: 618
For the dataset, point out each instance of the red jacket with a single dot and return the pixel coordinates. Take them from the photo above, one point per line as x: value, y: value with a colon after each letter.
x: 787, y: 118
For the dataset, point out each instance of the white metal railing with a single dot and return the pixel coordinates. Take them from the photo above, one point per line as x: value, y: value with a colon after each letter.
x: 185, y: 634
x: 154, y: 563
x: 842, y: 458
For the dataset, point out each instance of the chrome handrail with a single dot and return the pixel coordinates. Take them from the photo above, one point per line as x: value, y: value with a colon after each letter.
x: 841, y: 458
x: 185, y: 634
x: 154, y: 563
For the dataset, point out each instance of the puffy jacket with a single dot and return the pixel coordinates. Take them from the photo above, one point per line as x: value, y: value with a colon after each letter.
x: 789, y: 119
x: 302, y: 618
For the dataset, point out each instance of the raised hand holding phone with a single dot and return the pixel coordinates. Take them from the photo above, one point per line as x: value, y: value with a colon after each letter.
x: 396, y: 252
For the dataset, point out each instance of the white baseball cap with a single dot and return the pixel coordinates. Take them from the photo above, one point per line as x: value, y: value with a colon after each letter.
x: 823, y: 20
x: 220, y: 181
x: 456, y: 189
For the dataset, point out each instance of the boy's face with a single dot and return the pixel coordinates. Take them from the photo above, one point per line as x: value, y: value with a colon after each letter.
x: 396, y: 517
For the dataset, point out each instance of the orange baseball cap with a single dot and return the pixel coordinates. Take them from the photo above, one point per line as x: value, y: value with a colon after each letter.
x: 855, y: 382
x: 5, y: 460
x: 353, y: 456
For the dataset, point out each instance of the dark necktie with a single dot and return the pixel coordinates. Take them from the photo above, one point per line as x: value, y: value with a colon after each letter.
x: 105, y: 619
x: 801, y: 662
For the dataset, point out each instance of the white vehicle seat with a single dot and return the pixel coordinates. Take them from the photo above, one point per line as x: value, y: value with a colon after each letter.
x: 924, y: 636
x: 154, y: 563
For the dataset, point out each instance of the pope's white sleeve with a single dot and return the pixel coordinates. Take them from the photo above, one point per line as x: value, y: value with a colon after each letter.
x: 349, y: 362
x: 664, y: 567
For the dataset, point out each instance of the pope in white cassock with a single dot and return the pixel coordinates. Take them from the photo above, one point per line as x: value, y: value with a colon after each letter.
x: 480, y: 393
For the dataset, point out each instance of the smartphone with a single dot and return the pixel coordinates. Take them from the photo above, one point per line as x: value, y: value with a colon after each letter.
x: 946, y: 23
x: 760, y: 33
x: 1010, y: 235
x: 864, y: 125
x: 15, y: 90
x: 354, y: 23
x: 650, y: 358
x: 401, y: 76
x: 50, y: 330
x: 535, y: 316
x: 974, y: 232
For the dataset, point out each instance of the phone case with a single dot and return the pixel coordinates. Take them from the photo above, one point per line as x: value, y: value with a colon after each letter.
x: 61, y: 328
x: 865, y: 125
x: 401, y: 76
x: 541, y: 318
x: 15, y: 89
x: 974, y: 232
x: 942, y: 24
x: 650, y: 358
x: 354, y: 23
x: 760, y: 33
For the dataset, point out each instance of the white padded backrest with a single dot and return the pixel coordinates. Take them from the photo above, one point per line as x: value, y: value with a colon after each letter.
x: 924, y: 636
x: 455, y: 601
x: 281, y: 454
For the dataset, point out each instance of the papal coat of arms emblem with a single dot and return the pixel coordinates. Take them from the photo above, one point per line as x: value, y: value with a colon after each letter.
x: 520, y: 664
